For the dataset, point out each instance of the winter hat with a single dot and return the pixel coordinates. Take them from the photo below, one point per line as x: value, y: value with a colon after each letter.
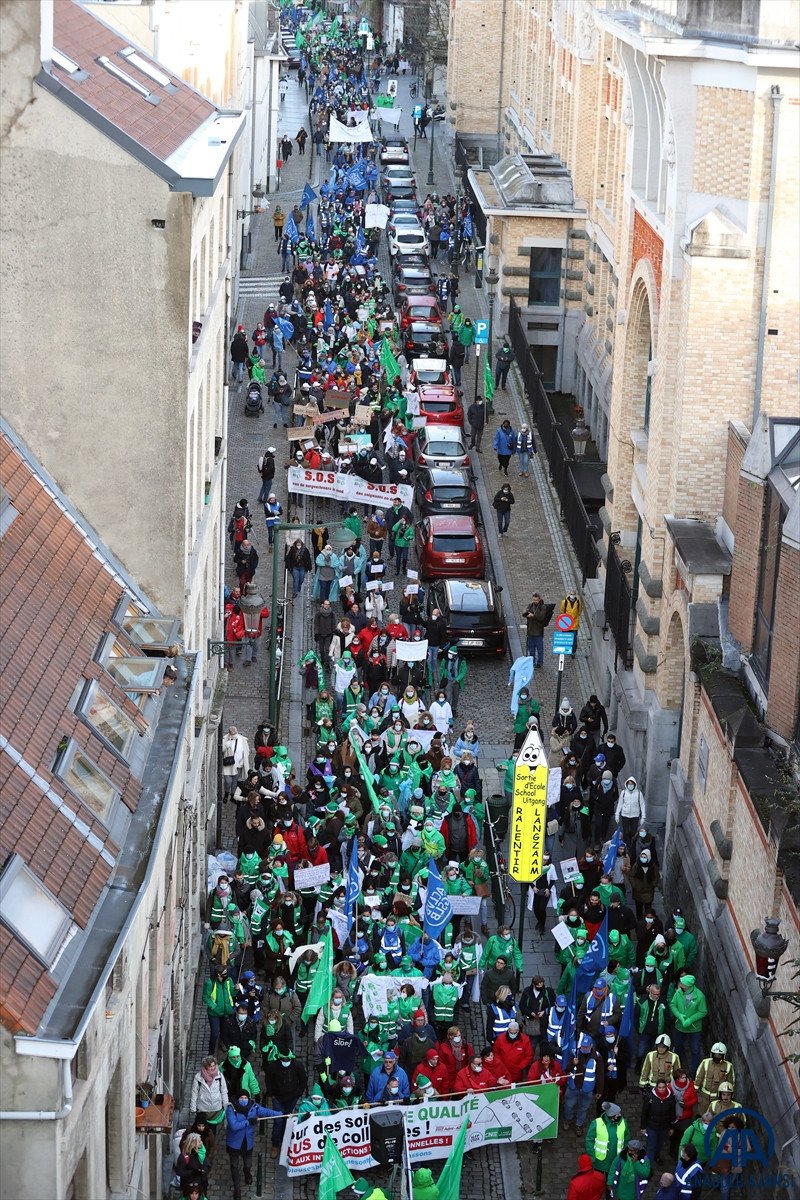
x: 586, y: 1043
x: 613, y: 937
x: 565, y: 707
x: 584, y: 1162
x: 423, y: 1081
x: 612, y: 1111
x: 687, y: 981
x: 606, y: 774
x: 431, y: 1055
x: 234, y: 1055
x: 334, y: 1026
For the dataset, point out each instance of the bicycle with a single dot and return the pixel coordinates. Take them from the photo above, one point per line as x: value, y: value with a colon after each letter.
x: 509, y: 902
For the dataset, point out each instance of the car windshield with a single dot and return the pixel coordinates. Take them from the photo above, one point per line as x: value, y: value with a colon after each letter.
x: 468, y: 620
x: 454, y: 543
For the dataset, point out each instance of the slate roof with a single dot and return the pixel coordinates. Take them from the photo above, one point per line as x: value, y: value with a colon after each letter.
x: 59, y: 594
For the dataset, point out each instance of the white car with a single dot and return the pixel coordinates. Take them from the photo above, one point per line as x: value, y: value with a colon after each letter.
x: 403, y: 240
x: 395, y: 150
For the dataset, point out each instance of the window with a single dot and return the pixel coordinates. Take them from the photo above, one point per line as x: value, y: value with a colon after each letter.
x: 7, y: 512
x: 86, y: 780
x: 544, y: 286
x: 767, y: 579
x: 148, y: 631
x: 108, y: 720
x: 31, y: 912
x: 137, y: 674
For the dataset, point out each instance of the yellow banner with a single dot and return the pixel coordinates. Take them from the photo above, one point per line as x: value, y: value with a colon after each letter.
x: 528, y: 822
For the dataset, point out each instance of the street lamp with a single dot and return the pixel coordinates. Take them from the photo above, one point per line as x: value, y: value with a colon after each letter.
x: 430, y: 159
x: 491, y: 279
x: 580, y: 436
x: 769, y: 947
x: 252, y: 605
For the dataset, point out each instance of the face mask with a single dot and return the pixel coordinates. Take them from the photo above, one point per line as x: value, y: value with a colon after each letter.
x: 477, y: 1070
x: 630, y: 786
x: 337, y: 1003
x: 606, y: 785
x: 281, y: 991
x: 512, y: 1037
x: 456, y: 1041
x: 279, y: 931
x: 384, y: 691
x: 642, y: 834
x: 347, y: 1091
x: 570, y: 786
x: 285, y: 1062
x: 643, y: 860
x: 241, y: 1018
x: 590, y: 858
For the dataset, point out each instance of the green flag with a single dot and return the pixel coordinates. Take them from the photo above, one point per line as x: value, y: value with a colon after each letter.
x: 388, y: 361
x: 366, y: 774
x: 488, y: 381
x: 450, y: 1178
x: 334, y: 1174
x: 333, y: 32
x: 322, y: 984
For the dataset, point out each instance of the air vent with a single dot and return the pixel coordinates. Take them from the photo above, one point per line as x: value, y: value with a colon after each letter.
x: 147, y: 68
x: 127, y: 79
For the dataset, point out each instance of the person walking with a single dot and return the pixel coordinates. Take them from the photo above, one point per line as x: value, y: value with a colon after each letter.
x: 273, y: 511
x: 240, y: 353
x: 298, y: 562
x: 240, y: 1127
x: 503, y: 360
x: 526, y: 446
x: 402, y: 537
x: 466, y: 336
x: 324, y: 627
x: 283, y: 88
x: 301, y: 137
x: 572, y: 606
x: 505, y: 443
x: 278, y: 221
x: 537, y: 615
x: 457, y: 356
x: 502, y: 506
x: 476, y: 419
x: 587, y: 1183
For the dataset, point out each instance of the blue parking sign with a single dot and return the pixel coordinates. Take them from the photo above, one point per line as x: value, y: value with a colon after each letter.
x: 481, y: 333
x: 563, y: 643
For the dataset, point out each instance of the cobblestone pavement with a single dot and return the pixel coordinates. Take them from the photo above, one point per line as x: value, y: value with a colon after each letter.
x: 535, y: 555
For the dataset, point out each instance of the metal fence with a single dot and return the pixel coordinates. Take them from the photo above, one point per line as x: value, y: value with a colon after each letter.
x: 558, y: 448
x: 618, y: 607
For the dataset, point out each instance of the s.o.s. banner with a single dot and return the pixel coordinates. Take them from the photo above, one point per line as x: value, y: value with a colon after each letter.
x: 505, y: 1115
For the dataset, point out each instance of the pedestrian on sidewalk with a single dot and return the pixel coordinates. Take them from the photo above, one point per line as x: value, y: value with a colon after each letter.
x: 476, y: 419
x: 537, y: 615
x: 503, y: 360
x: 278, y: 220
x: 457, y: 356
x: 283, y: 88
x: 505, y: 443
x: 572, y: 606
x: 301, y: 137
x: 240, y: 353
x: 526, y: 446
x: 273, y: 511
x: 466, y: 335
x: 502, y: 506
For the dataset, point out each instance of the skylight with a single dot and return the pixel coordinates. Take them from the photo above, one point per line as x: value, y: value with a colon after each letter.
x: 64, y: 61
x: 29, y: 909
x: 87, y: 781
x: 147, y: 68
x: 127, y: 79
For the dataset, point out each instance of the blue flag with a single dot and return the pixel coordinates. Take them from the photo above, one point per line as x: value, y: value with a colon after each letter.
x: 352, y: 887
x: 611, y: 856
x: 596, y: 958
x: 286, y: 327
x: 354, y: 178
x: 438, y: 909
x: 308, y: 196
x: 360, y: 244
x: 569, y: 1026
x: 626, y: 1022
x: 468, y: 227
x: 327, y: 315
x: 310, y: 231
x: 292, y: 230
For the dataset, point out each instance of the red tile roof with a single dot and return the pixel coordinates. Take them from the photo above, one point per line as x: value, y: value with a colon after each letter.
x: 159, y: 129
x: 58, y: 599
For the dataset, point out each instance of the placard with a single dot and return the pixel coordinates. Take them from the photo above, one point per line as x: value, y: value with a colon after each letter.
x: 336, y: 414
x: 305, y: 410
x: 468, y: 906
x: 412, y: 651
x: 345, y: 581
x: 363, y: 414
x: 562, y: 935
x: 298, y: 434
x: 373, y: 988
x: 374, y: 585
x: 528, y: 820
x: 569, y: 869
x: 411, y: 589
x: 387, y: 586
x: 335, y: 398
x: 553, y: 786
x: 311, y: 877
x: 412, y: 574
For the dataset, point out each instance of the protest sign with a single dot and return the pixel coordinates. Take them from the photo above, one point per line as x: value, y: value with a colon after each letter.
x: 562, y: 935
x: 363, y: 414
x: 311, y: 877
x: 467, y: 906
x: 412, y: 651
x: 299, y: 435
x: 335, y: 398
x: 432, y: 1127
x: 335, y: 486
x: 373, y: 988
x: 569, y: 869
x: 335, y: 414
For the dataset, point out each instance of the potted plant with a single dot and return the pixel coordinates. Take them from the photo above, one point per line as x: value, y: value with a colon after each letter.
x: 144, y: 1094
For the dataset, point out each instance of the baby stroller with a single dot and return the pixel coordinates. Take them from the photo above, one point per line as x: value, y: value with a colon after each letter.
x: 253, y: 403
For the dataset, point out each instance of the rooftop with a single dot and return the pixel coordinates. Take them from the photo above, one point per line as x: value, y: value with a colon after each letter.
x: 698, y: 547
x: 141, y: 105
x: 525, y: 181
x: 87, y: 735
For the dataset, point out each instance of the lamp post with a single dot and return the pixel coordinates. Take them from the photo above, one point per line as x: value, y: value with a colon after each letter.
x: 251, y: 605
x: 430, y: 159
x: 580, y: 436
x: 491, y: 279
x: 769, y: 947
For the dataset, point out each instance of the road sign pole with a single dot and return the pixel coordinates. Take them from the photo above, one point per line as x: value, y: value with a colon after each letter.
x: 560, y: 678
x: 477, y: 370
x: 523, y: 904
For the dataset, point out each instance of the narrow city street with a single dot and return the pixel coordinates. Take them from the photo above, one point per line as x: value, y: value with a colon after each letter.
x: 535, y: 555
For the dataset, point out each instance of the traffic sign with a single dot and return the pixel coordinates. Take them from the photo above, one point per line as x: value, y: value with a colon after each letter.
x: 564, y: 622
x: 481, y: 333
x: 563, y: 643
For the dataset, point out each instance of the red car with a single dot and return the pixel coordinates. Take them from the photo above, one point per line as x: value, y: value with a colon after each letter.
x: 419, y: 308
x: 449, y: 547
x: 441, y: 404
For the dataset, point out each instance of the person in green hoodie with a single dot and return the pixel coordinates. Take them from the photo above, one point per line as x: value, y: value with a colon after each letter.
x: 239, y: 1074
x: 423, y: 1185
x: 695, y: 1135
x: 527, y: 708
x: 314, y: 1104
x: 628, y: 1170
x: 353, y: 522
x: 620, y: 948
x: 445, y: 995
x: 502, y: 944
x: 219, y: 1001
x: 689, y: 1009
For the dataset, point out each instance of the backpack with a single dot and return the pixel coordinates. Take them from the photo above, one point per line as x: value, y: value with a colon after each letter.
x: 266, y: 466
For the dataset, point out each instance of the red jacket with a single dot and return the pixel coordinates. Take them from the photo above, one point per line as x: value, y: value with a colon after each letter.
x: 234, y: 627
x: 553, y: 1074
x: 516, y: 1056
x: 472, y: 833
x: 588, y: 1184
x: 467, y: 1081
x: 438, y: 1075
x: 295, y: 842
x: 447, y: 1058
x: 397, y: 631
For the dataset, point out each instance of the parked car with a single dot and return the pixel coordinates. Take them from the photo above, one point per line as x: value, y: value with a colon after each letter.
x: 431, y: 370
x: 394, y: 150
x: 422, y: 339
x: 419, y: 308
x: 408, y: 241
x: 440, y: 404
x: 394, y: 191
x: 441, y: 446
x: 474, y: 613
x: 412, y: 280
x: 448, y: 546
x: 418, y: 259
x: 404, y: 220
x: 445, y: 490
x: 407, y: 206
x: 397, y: 173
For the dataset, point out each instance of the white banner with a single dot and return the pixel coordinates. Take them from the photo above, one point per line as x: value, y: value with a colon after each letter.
x: 465, y: 906
x: 373, y: 988
x: 423, y: 737
x: 376, y: 216
x: 336, y: 486
x: 412, y: 651
x: 348, y: 133
x: 310, y: 877
x: 390, y: 115
x: 360, y: 114
x: 431, y: 1127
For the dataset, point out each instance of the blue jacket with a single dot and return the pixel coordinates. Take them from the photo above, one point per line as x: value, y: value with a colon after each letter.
x: 240, y: 1125
x: 425, y: 954
x: 505, y: 441
x: 379, y: 1079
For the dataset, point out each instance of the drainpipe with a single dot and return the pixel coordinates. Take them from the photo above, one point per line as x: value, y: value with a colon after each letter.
x: 501, y: 82
x: 775, y: 97
x: 64, y: 1111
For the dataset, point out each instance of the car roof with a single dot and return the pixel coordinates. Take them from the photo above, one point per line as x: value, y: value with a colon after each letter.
x: 452, y: 524
x: 448, y: 476
x: 414, y: 269
x: 442, y: 433
x: 431, y: 364
x: 470, y: 595
x: 427, y: 301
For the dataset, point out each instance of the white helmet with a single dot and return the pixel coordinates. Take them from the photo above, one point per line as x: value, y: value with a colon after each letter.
x: 719, y: 1048
x: 663, y: 1039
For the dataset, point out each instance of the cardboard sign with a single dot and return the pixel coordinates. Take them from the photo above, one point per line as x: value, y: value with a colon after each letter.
x: 336, y: 414
x: 553, y: 786
x: 412, y: 651
x: 562, y: 935
x: 569, y: 869
x: 363, y: 414
x: 312, y: 877
x: 374, y: 585
x: 298, y: 435
x: 335, y: 398
x: 305, y: 410
x: 468, y: 906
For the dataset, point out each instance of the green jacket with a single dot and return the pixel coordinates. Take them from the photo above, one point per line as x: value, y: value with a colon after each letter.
x: 353, y: 522
x: 623, y: 952
x: 423, y: 1185
x: 643, y: 1012
x: 218, y: 997
x: 695, y: 1135
x: 461, y: 673
x: 524, y: 712
x: 689, y: 943
x: 401, y: 536
x: 445, y: 998
x: 604, y: 1141
x: 509, y: 950
x: 466, y: 334
x: 689, y: 1010
x: 624, y: 1175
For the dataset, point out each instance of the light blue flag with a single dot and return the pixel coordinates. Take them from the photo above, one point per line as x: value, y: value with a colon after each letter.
x: 286, y: 327
x: 292, y: 230
x: 611, y: 856
x: 626, y: 1021
x: 438, y: 909
x: 596, y: 958
x: 569, y: 1026
x: 310, y: 231
x: 468, y: 227
x: 308, y: 196
x: 352, y: 887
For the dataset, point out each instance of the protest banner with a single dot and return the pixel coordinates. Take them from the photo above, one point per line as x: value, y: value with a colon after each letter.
x: 373, y: 988
x: 311, y: 877
x: 432, y: 1127
x: 335, y: 486
x: 335, y: 414
x: 412, y: 651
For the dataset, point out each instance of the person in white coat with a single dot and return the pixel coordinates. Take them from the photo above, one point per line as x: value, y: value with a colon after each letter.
x: 235, y: 760
x: 442, y: 713
x: 631, y: 810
